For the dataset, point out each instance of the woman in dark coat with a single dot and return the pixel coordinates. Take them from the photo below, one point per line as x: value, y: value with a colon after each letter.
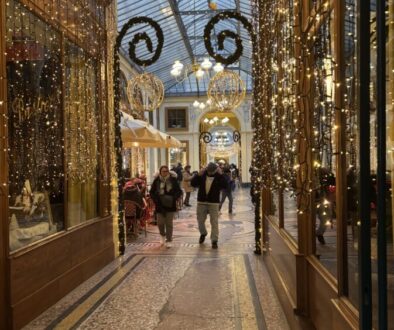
x: 164, y: 192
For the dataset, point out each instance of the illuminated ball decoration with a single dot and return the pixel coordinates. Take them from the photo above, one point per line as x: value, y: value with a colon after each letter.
x: 145, y: 92
x: 226, y: 91
x: 212, y: 5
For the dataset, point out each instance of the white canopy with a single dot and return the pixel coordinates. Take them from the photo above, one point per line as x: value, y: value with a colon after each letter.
x: 138, y: 133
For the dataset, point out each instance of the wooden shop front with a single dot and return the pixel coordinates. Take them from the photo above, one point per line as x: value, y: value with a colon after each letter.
x: 55, y: 159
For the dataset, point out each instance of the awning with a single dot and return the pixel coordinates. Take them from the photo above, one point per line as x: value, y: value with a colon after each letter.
x: 138, y: 133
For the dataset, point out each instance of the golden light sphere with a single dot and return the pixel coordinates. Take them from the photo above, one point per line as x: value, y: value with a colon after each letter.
x: 226, y: 91
x: 213, y: 5
x: 145, y: 92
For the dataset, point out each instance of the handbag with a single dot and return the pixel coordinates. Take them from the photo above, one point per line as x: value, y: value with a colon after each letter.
x: 166, y: 200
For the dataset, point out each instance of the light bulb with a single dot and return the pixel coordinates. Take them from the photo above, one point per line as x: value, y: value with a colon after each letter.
x: 175, y: 72
x: 218, y: 67
x: 178, y: 66
x: 206, y: 64
x: 202, y: 106
x: 199, y: 73
x: 196, y: 104
x: 206, y: 120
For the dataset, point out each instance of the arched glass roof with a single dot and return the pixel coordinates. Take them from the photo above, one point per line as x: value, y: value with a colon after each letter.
x: 183, y: 22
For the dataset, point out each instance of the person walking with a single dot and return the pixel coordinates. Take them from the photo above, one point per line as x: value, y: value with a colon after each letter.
x: 186, y: 184
x: 210, y: 181
x: 164, y: 192
x: 228, y: 192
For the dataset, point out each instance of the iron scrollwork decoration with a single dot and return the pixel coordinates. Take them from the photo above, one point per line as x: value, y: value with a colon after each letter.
x: 142, y: 36
x: 236, y: 136
x: 227, y: 34
x: 206, y: 137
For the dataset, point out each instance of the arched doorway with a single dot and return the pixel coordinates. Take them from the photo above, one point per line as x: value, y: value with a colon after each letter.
x: 217, y: 143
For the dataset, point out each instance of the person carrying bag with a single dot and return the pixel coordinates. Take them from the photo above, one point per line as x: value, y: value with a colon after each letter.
x: 164, y: 192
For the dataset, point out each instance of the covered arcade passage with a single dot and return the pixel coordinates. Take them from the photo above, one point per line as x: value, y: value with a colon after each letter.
x: 292, y: 99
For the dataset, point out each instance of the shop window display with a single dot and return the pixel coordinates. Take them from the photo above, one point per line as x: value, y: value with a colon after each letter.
x: 36, y: 173
x: 178, y: 155
x: 82, y: 117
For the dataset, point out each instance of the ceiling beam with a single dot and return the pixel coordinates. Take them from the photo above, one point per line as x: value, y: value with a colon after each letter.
x: 181, y: 26
x: 203, y: 12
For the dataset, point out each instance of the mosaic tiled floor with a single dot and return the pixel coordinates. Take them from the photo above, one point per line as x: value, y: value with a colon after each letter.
x: 187, y: 286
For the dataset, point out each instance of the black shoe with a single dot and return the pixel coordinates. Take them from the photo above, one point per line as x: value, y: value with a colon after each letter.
x: 214, y: 245
x: 321, y: 239
x: 187, y: 204
x: 202, y: 239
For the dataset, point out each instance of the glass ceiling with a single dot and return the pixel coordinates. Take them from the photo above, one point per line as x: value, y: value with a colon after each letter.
x: 183, y: 22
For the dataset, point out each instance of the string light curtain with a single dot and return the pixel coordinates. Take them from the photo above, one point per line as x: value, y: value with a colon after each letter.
x: 58, y: 131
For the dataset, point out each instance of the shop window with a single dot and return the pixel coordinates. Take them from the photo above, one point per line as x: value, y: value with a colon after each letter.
x: 36, y: 172
x: 387, y: 197
x: 178, y: 155
x: 324, y: 161
x: 81, y: 138
x: 290, y: 213
x: 176, y: 119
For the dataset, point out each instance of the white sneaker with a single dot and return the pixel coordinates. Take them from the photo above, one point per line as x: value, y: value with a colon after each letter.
x: 168, y: 244
x: 162, y: 240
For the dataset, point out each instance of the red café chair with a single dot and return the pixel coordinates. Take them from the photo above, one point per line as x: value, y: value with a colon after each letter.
x: 133, y: 221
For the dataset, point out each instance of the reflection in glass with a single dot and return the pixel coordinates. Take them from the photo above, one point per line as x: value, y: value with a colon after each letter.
x: 178, y: 155
x: 290, y: 213
x: 324, y: 165
x: 274, y: 209
x: 36, y: 185
x: 390, y: 164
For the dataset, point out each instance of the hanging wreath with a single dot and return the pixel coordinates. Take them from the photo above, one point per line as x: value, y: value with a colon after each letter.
x: 142, y: 36
x: 236, y: 136
x: 206, y: 137
x: 227, y: 34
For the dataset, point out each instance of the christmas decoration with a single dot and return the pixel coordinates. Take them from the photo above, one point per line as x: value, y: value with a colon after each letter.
x: 227, y: 34
x: 226, y: 91
x: 145, y: 92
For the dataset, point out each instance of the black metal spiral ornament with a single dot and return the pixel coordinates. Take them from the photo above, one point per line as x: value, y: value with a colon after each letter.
x: 143, y: 36
x: 227, y: 34
x: 206, y: 137
x: 236, y: 136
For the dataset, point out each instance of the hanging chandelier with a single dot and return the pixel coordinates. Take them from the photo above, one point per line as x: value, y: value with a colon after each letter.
x: 181, y: 71
x: 226, y: 91
x: 145, y: 92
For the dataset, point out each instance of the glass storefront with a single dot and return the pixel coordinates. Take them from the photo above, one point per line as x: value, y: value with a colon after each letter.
x: 54, y: 129
x: 35, y: 112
